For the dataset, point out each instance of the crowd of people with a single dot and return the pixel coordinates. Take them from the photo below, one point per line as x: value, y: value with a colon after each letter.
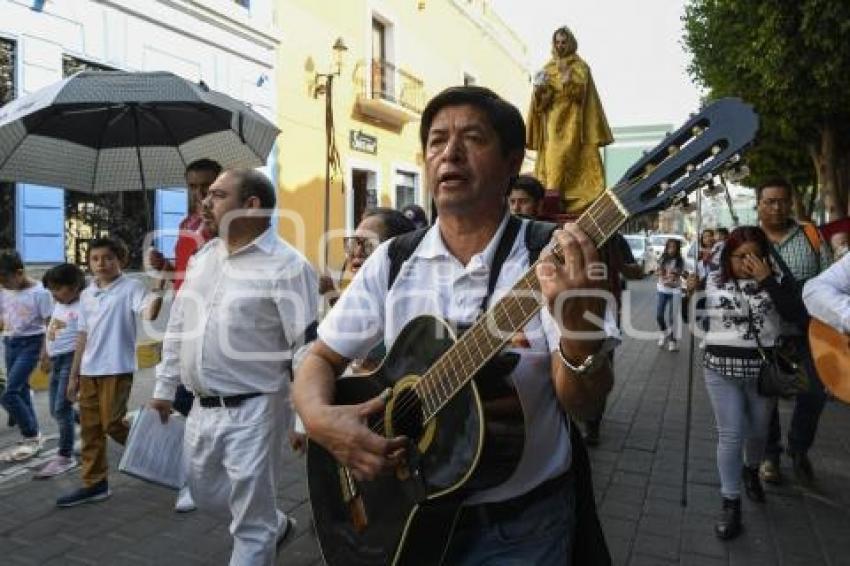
x: 243, y: 331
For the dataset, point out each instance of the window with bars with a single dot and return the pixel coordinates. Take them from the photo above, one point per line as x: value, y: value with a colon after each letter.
x: 405, y: 188
x: 7, y: 190
x: 124, y: 215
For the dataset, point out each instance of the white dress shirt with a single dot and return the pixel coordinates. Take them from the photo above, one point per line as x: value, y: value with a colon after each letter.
x: 238, y: 319
x: 827, y: 296
x: 432, y: 281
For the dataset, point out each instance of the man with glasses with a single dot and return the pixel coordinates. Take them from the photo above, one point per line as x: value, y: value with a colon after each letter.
x: 803, y: 254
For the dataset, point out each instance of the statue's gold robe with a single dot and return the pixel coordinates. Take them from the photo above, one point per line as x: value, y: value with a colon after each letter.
x: 567, y: 126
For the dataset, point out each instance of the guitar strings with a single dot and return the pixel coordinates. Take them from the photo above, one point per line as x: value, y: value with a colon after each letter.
x: 406, y: 406
x: 594, y: 213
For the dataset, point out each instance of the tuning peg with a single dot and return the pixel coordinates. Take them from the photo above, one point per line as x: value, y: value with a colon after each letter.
x: 673, y: 150
x: 689, y: 167
x: 737, y: 172
x: 664, y: 185
x: 715, y: 149
x: 696, y: 130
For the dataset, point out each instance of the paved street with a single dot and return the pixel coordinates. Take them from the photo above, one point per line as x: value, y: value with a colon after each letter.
x: 637, y: 473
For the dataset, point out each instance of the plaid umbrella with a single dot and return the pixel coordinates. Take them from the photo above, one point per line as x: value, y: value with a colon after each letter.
x: 105, y: 131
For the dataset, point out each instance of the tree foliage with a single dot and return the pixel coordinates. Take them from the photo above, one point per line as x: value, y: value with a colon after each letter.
x: 790, y: 60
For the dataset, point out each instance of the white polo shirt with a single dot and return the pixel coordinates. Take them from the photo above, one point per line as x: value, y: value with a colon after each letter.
x: 108, y: 317
x: 432, y: 281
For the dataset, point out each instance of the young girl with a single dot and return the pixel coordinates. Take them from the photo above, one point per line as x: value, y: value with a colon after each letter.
x: 65, y: 282
x: 745, y: 303
x: 670, y: 271
x: 25, y: 307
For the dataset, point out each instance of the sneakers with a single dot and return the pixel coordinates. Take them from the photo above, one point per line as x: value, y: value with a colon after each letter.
x: 26, y: 449
x: 97, y: 492
x: 184, y: 503
x: 673, y: 346
x: 662, y: 340
x: 803, y: 468
x: 752, y: 484
x: 55, y: 466
x: 769, y: 471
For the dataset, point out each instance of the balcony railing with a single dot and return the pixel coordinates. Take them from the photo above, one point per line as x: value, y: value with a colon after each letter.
x: 394, y: 85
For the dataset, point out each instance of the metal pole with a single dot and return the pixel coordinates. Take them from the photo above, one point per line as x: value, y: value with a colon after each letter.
x: 691, y: 342
x: 329, y: 81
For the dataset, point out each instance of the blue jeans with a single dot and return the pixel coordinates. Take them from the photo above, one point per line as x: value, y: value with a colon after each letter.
x: 21, y: 358
x: 742, y: 417
x: 807, y: 409
x: 667, y: 311
x: 61, y: 409
x: 540, y: 533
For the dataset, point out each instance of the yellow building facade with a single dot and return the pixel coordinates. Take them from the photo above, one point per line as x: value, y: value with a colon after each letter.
x: 399, y: 53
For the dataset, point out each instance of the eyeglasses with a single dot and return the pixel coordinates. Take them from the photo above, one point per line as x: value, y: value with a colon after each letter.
x: 774, y: 202
x: 351, y: 243
x: 740, y: 256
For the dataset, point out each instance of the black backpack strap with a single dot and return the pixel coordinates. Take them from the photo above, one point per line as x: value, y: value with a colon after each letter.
x: 538, y: 234
x: 400, y: 248
x: 506, y: 242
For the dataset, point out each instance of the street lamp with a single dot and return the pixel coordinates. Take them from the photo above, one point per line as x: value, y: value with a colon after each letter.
x: 324, y: 85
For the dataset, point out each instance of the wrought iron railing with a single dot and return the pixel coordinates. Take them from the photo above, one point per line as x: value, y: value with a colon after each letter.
x: 396, y: 86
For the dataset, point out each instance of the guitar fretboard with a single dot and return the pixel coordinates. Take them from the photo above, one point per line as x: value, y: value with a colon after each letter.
x: 492, y: 331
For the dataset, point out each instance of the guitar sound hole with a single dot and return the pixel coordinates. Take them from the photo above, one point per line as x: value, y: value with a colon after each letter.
x: 407, y: 414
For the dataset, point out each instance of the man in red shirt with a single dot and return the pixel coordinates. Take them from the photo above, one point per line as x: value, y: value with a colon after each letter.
x: 200, y: 175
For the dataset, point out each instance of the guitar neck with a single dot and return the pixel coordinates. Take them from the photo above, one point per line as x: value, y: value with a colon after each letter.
x: 510, y: 314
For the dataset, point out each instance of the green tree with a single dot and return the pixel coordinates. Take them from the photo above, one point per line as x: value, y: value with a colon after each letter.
x: 787, y: 58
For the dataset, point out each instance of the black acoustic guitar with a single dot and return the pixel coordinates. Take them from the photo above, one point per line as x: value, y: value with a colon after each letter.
x: 450, y: 398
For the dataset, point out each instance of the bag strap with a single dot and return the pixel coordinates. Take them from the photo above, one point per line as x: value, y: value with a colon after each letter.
x: 506, y: 242
x: 538, y: 234
x: 814, y: 238
x: 403, y: 246
x: 786, y: 271
x: 750, y: 322
x: 400, y: 248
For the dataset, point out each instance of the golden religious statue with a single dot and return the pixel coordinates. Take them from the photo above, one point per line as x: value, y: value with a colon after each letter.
x: 567, y: 126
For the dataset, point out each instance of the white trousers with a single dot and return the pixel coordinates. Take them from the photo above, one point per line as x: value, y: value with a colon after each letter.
x: 234, y: 462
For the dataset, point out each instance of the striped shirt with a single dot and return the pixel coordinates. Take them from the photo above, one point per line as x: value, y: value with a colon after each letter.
x: 798, y: 254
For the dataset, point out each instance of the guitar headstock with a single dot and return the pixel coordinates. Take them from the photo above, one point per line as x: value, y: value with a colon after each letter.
x: 706, y: 145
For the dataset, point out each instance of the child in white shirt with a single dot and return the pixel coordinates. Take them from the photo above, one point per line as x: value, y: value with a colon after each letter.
x: 104, y: 362
x: 25, y: 308
x: 65, y: 282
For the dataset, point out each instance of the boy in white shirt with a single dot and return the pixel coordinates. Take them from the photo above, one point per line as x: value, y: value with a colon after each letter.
x: 65, y: 282
x: 104, y: 362
x: 25, y: 308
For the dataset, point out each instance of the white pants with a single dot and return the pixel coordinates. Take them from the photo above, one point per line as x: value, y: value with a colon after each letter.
x: 234, y: 461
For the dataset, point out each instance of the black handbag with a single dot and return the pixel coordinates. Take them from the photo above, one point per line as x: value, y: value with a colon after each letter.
x: 781, y: 374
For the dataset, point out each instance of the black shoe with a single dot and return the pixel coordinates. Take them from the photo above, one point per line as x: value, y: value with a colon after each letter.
x: 729, y: 525
x: 752, y: 484
x: 97, y: 492
x: 803, y: 468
